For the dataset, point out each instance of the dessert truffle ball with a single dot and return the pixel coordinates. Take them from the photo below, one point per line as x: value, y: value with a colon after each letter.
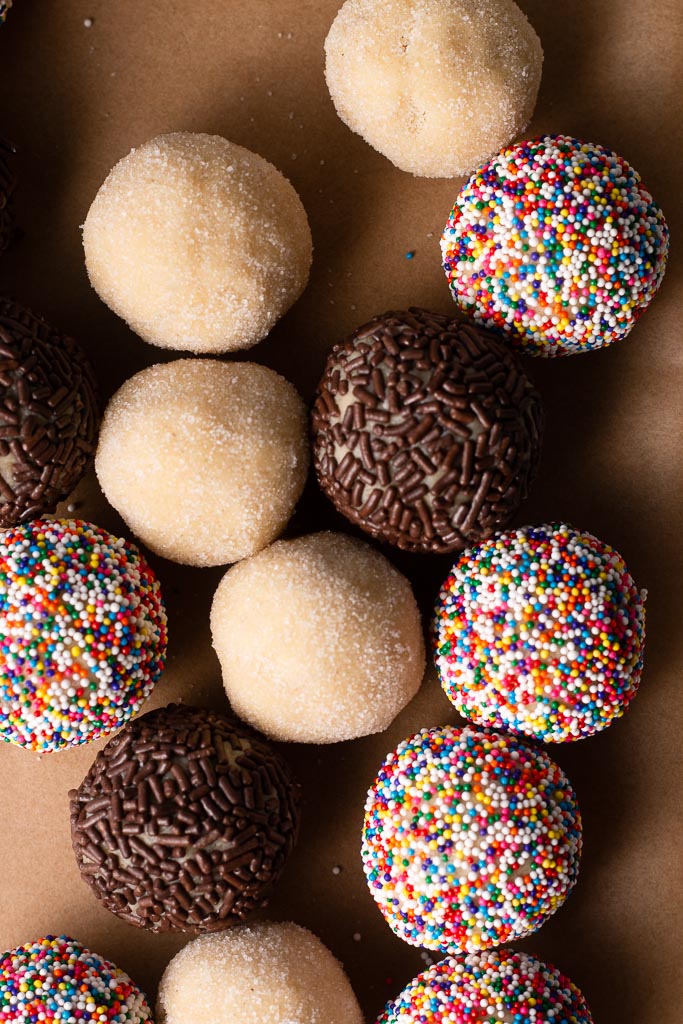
x: 471, y: 839
x: 426, y: 431
x: 540, y: 631
x: 82, y: 633
x: 280, y: 973
x: 437, y: 86
x: 197, y: 243
x: 319, y: 639
x: 48, y: 414
x: 58, y: 979
x: 204, y: 460
x: 184, y: 822
x: 8, y: 183
x: 503, y: 985
x: 558, y: 243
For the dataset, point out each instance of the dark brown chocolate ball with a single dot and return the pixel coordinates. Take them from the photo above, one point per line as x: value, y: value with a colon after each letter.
x: 48, y: 415
x: 185, y: 821
x: 8, y: 183
x: 426, y: 431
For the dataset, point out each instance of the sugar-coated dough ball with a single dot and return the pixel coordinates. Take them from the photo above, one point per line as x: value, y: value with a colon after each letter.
x: 437, y: 86
x: 267, y: 972
x: 204, y: 460
x: 510, y: 986
x: 319, y: 639
x: 197, y: 243
x: 471, y: 839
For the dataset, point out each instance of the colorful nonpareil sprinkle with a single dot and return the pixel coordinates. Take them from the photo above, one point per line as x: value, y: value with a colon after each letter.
x: 540, y: 631
x: 487, y: 988
x: 82, y: 633
x: 57, y: 979
x: 471, y: 839
x: 558, y: 243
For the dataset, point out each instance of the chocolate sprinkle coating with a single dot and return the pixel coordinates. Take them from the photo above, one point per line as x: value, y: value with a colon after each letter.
x: 426, y: 431
x: 185, y: 821
x: 49, y: 416
x: 8, y: 183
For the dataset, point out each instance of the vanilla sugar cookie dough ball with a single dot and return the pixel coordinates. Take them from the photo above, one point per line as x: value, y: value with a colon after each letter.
x: 199, y: 244
x: 204, y: 460
x: 319, y: 639
x: 437, y: 86
x: 279, y: 973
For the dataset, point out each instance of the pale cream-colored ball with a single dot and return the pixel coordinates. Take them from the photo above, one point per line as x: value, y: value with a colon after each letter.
x: 437, y: 86
x: 319, y: 639
x: 199, y: 244
x: 204, y: 460
x: 267, y: 973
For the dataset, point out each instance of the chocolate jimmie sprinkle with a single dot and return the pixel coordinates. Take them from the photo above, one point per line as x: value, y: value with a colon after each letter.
x: 185, y: 821
x: 426, y: 431
x: 48, y: 415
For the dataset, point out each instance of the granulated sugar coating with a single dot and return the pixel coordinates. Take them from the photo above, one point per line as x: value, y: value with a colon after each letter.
x: 267, y: 972
x: 495, y: 987
x: 82, y: 633
x: 558, y: 243
x: 437, y: 86
x: 319, y: 639
x: 58, y: 979
x: 204, y: 460
x: 471, y: 839
x: 199, y: 244
x: 540, y: 631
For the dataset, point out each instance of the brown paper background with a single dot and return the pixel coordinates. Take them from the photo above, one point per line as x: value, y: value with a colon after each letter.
x: 76, y: 100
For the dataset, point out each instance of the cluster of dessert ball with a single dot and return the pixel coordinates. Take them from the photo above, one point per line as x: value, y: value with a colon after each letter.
x: 425, y: 434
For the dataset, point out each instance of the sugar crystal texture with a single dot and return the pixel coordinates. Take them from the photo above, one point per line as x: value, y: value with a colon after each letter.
x: 279, y: 973
x: 471, y: 839
x: 199, y: 244
x: 492, y: 986
x: 319, y: 639
x: 204, y: 460
x: 437, y: 86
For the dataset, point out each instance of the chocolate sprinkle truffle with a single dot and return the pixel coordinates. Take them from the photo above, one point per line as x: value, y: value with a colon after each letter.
x: 8, y: 183
x: 426, y: 431
x: 185, y: 821
x: 48, y: 415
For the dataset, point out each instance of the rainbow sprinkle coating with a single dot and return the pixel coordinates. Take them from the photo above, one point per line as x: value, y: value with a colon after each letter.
x: 82, y: 633
x: 557, y: 242
x: 540, y: 631
x: 57, y: 979
x: 471, y: 839
x: 491, y: 987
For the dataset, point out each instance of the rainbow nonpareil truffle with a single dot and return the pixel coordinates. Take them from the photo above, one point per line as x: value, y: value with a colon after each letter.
x: 57, y: 979
x: 540, y: 631
x: 470, y: 840
x: 557, y: 242
x: 82, y: 633
x: 491, y: 986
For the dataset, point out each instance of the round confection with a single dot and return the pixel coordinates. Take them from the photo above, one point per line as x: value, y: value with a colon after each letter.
x: 471, y: 839
x: 319, y: 639
x: 492, y: 985
x: 558, y: 243
x: 58, y: 979
x: 540, y: 631
x: 8, y: 182
x: 228, y: 484
x: 82, y: 633
x: 437, y: 86
x: 280, y: 973
x: 184, y: 821
x: 426, y: 431
x: 197, y: 243
x: 48, y: 414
